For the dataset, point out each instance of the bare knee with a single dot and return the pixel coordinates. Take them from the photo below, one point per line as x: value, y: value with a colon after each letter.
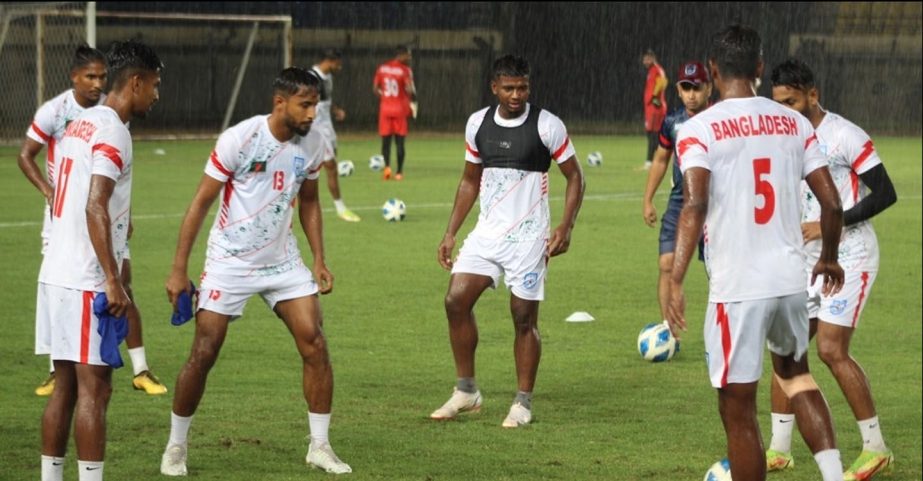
x: 666, y: 263
x: 456, y: 304
x: 831, y: 353
x: 204, y: 352
x: 312, y: 345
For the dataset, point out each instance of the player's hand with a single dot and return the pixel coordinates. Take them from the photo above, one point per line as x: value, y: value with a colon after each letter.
x: 177, y: 283
x: 832, y: 274
x: 656, y: 102
x: 414, y: 108
x: 324, y: 278
x: 117, y: 297
x: 650, y: 214
x: 810, y: 231
x: 676, y: 311
x: 559, y: 242
x: 339, y: 114
x: 444, y: 251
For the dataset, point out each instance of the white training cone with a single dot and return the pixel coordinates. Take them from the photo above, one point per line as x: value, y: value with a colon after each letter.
x: 580, y: 316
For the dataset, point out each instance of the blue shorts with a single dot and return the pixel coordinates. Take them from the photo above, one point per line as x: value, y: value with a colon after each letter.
x: 668, y: 226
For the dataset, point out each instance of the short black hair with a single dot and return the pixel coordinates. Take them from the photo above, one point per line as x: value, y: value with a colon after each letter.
x: 401, y: 49
x: 649, y: 52
x: 292, y: 79
x: 737, y: 51
x: 128, y: 58
x: 510, y: 66
x: 793, y: 73
x: 85, y: 55
x: 331, y: 54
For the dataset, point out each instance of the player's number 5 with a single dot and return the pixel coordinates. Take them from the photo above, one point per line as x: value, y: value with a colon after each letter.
x: 761, y: 167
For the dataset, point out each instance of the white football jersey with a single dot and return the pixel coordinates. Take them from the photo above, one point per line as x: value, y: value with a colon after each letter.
x: 514, y: 203
x: 849, y: 152
x: 323, y: 117
x: 95, y: 143
x: 49, y: 123
x: 252, y: 233
x: 757, y: 152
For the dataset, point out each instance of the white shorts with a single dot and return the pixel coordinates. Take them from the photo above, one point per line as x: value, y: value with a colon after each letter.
x: 330, y: 135
x: 72, y: 326
x: 228, y: 294
x: 735, y: 333
x: 523, y: 264
x: 844, y: 308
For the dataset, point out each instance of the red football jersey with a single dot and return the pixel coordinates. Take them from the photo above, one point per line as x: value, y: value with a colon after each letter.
x: 395, y: 82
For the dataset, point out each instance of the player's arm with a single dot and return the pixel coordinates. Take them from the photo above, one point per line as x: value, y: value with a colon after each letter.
x: 205, y: 195
x: 831, y: 226
x: 465, y: 196
x: 376, y: 84
x: 689, y: 230
x: 655, y: 175
x: 99, y: 227
x: 573, y: 198
x: 27, y: 154
x: 881, y: 197
x: 309, y: 214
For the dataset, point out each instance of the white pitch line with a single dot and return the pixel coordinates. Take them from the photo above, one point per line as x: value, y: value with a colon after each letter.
x: 625, y: 196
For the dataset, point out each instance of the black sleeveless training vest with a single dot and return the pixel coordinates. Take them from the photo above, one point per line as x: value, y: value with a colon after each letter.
x: 512, y: 148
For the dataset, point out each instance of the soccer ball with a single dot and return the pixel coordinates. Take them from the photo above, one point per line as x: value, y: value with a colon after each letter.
x: 720, y: 471
x: 376, y: 162
x: 656, y: 343
x: 345, y: 168
x: 393, y: 210
x: 595, y: 159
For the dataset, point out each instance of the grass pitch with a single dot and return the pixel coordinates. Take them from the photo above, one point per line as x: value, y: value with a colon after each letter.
x: 601, y: 413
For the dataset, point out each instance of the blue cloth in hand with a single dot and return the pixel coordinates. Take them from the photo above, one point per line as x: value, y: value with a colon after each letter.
x: 184, y: 311
x: 112, y: 330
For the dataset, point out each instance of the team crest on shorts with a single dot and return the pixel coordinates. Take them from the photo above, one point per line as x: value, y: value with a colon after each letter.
x: 530, y: 280
x: 838, y: 306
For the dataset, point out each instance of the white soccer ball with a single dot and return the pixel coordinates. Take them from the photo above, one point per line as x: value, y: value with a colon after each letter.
x: 394, y: 210
x: 345, y: 168
x: 595, y: 159
x: 656, y: 343
x: 720, y: 471
x: 377, y: 162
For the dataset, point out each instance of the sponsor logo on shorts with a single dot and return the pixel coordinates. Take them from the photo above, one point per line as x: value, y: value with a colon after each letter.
x: 530, y: 280
x: 838, y: 306
x: 214, y: 295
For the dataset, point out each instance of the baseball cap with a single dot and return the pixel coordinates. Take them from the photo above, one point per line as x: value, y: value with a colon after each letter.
x: 692, y: 72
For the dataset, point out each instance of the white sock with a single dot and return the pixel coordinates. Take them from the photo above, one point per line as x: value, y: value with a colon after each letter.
x: 831, y: 468
x: 871, y: 435
x: 782, y: 426
x: 179, y: 429
x: 138, y: 360
x: 319, y: 425
x: 90, y: 470
x: 52, y: 468
x: 51, y: 364
x: 340, y: 205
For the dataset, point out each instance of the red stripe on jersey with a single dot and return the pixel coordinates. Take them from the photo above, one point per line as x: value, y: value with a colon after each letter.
x: 686, y: 144
x: 854, y: 183
x: 226, y: 202
x: 867, y: 150
x: 557, y: 153
x: 49, y: 164
x: 110, y: 152
x: 472, y: 151
x: 39, y: 132
x: 812, y: 138
x: 85, y: 322
x: 865, y: 284
x: 725, y: 342
x: 217, y: 164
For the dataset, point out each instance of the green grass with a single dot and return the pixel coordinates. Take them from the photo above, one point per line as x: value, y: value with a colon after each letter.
x: 601, y: 413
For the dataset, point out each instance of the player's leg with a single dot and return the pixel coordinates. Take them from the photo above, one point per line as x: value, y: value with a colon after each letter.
x: 463, y: 292
x: 527, y: 352
x: 737, y: 406
x: 56, y: 421
x: 835, y: 328
x: 652, y: 142
x: 400, y: 133
x: 211, y: 330
x: 333, y: 184
x: 385, y: 131
x: 43, y: 337
x: 144, y: 379
x: 788, y: 339
x: 94, y: 389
